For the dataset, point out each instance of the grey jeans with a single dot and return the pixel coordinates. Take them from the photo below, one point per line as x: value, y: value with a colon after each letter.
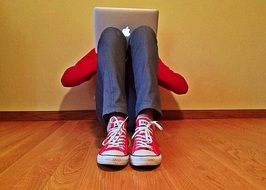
x: 127, y: 74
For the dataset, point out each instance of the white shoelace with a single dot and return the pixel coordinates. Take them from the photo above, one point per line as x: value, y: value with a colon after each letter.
x: 143, y: 134
x: 116, y: 135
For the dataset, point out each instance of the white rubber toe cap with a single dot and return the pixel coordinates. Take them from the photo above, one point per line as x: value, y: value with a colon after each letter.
x: 113, y: 153
x: 144, y: 153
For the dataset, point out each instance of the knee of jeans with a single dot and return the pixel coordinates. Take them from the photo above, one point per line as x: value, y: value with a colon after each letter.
x: 143, y: 32
x: 111, y: 34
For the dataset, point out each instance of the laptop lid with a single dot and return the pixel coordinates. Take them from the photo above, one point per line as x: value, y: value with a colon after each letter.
x: 125, y: 19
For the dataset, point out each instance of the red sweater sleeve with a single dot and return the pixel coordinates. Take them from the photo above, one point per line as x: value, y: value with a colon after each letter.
x: 82, y: 71
x: 86, y: 67
x: 171, y: 80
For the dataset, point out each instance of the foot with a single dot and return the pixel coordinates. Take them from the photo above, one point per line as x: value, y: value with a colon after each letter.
x: 115, y: 150
x: 145, y: 150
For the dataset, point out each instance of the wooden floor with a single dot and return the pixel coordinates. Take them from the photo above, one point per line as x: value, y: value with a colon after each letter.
x: 197, y: 154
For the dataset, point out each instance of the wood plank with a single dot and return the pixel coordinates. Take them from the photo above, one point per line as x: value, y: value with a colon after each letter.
x: 22, y: 142
x: 236, y: 153
x: 197, y: 154
x: 35, y: 167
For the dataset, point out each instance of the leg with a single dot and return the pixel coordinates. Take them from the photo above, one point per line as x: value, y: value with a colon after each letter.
x: 144, y: 53
x: 110, y: 90
x: 111, y: 97
x: 131, y: 94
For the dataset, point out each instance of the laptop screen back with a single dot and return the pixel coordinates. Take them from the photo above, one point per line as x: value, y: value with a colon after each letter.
x: 125, y: 19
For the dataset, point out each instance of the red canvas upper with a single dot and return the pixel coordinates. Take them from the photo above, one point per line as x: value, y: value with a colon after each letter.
x: 140, y: 136
x: 86, y: 68
x: 116, y: 139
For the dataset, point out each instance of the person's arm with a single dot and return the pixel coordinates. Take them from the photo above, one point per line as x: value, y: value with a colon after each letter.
x: 86, y: 68
x: 171, y: 80
x: 82, y: 71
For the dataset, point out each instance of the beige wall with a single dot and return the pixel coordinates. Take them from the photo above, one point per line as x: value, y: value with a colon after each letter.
x: 219, y: 46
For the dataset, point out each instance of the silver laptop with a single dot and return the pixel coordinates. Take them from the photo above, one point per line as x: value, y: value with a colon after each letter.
x: 125, y: 19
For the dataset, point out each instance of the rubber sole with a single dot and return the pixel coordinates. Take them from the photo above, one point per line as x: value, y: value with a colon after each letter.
x: 112, y: 160
x: 145, y: 160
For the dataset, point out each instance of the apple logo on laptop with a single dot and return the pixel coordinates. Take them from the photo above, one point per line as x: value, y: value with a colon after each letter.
x: 126, y: 31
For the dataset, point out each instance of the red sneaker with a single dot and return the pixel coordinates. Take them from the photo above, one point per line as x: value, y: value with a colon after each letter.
x: 145, y: 150
x: 115, y: 150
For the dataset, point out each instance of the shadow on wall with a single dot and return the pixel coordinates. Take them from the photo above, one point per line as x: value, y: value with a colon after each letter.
x: 168, y: 101
x: 82, y: 97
